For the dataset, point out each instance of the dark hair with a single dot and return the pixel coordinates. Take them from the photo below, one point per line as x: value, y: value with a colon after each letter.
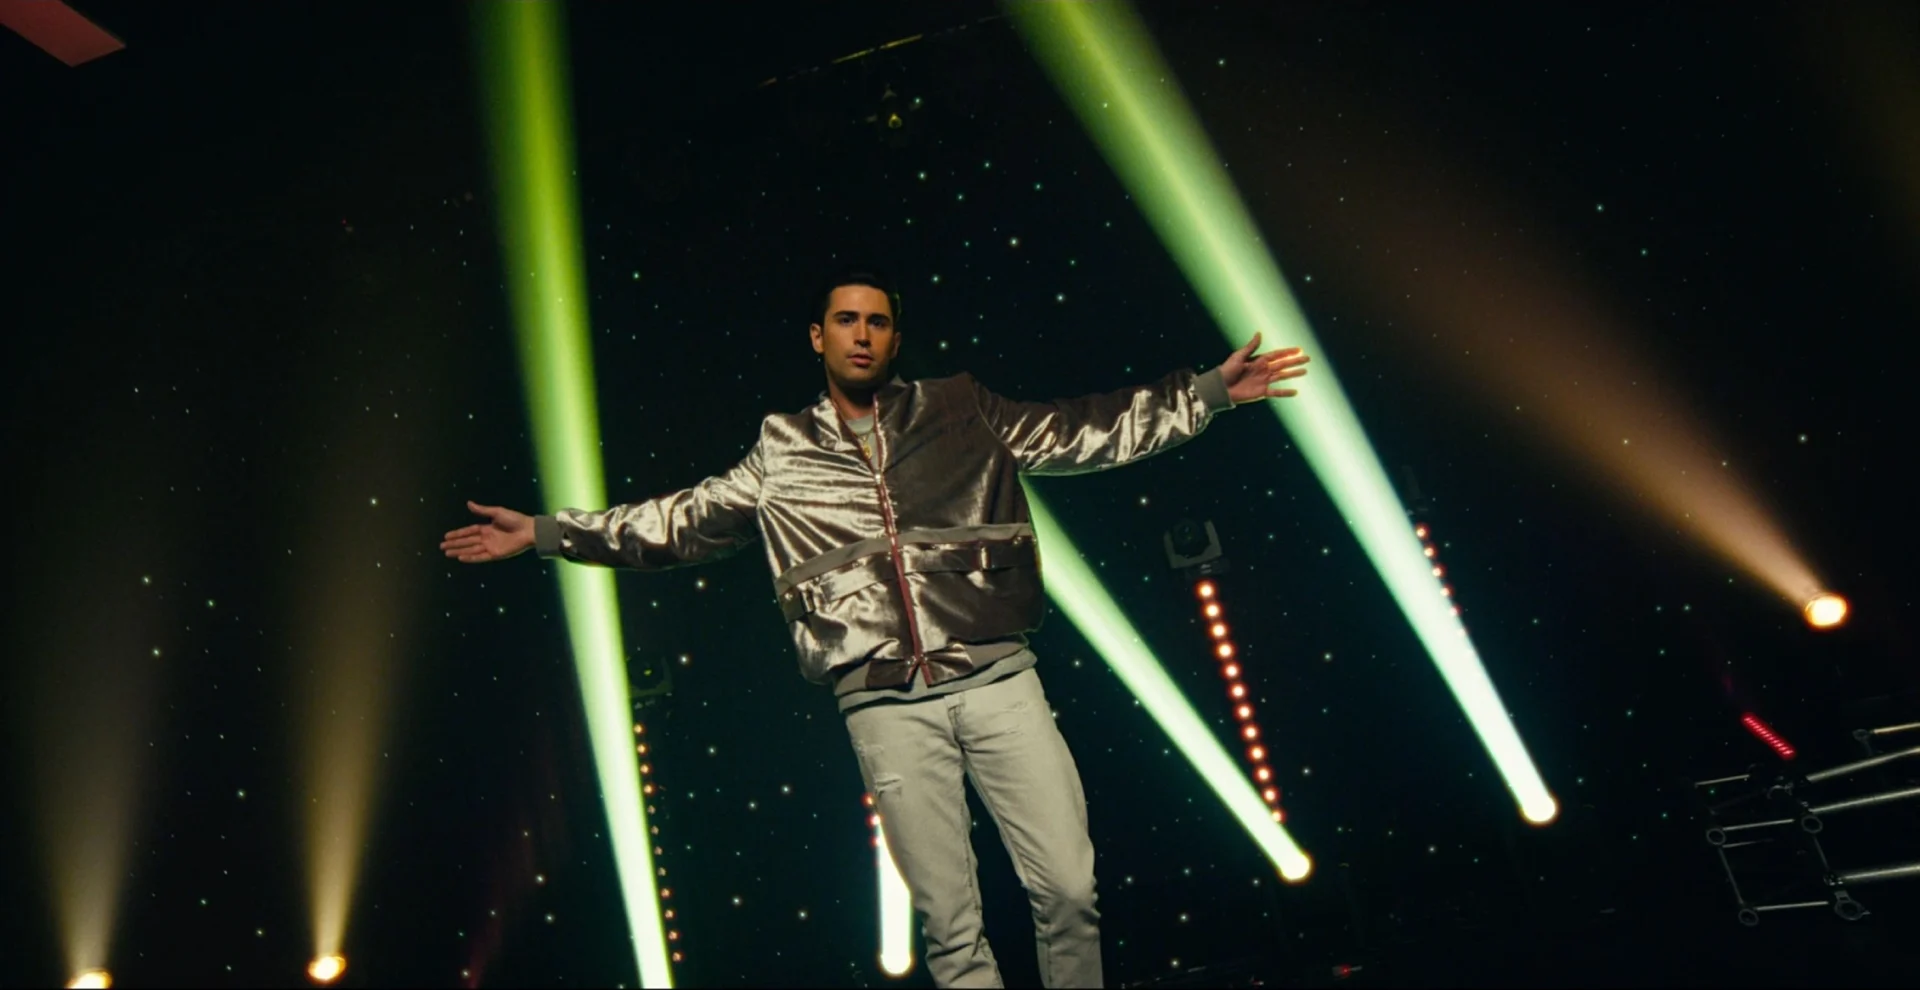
x: 855, y: 276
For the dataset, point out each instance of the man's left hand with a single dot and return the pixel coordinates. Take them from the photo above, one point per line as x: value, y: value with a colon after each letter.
x: 1250, y: 375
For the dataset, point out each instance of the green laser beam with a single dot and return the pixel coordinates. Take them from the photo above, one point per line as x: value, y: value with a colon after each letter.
x: 1086, y: 603
x: 1108, y: 69
x: 522, y: 68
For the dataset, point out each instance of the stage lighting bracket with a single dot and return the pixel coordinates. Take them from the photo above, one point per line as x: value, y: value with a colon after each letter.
x: 1790, y: 807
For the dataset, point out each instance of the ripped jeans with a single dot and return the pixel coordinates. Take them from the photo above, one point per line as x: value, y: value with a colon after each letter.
x: 1002, y: 735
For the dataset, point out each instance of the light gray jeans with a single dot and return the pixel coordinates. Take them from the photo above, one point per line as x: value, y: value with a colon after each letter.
x: 913, y: 756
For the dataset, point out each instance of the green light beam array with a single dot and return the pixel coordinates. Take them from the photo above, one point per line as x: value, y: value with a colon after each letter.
x: 1080, y: 595
x: 1105, y: 64
x: 522, y: 68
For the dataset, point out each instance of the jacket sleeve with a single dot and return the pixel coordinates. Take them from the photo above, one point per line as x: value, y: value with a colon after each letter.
x: 1096, y: 432
x: 710, y: 521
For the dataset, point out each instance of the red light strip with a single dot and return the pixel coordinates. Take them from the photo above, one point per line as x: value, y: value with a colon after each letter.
x: 1764, y: 732
x: 1428, y: 547
x: 1223, y: 650
x: 650, y: 787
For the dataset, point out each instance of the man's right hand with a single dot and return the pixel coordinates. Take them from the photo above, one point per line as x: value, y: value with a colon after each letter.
x: 506, y: 533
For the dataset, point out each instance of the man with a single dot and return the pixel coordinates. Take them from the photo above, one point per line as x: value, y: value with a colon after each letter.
x: 905, y: 564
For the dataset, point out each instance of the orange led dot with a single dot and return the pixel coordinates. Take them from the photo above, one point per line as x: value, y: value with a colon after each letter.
x: 1251, y: 732
x: 667, y: 914
x: 1456, y: 611
x: 677, y: 957
x: 1238, y: 690
x: 1278, y: 816
x: 1212, y: 610
x: 1420, y: 531
x: 1244, y: 711
x: 1439, y: 571
x: 646, y: 768
x: 665, y: 893
x: 1263, y: 775
x: 648, y: 788
x: 657, y: 851
x: 1225, y: 650
x: 867, y: 799
x: 1257, y: 753
x: 1206, y: 589
x: 673, y: 936
x: 1430, y: 552
x: 1230, y: 670
x: 1271, y: 795
x: 873, y: 820
x: 1446, y: 591
x: 1219, y: 630
x: 639, y: 729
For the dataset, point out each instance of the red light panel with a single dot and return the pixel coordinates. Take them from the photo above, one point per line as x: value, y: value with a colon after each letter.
x: 1764, y: 732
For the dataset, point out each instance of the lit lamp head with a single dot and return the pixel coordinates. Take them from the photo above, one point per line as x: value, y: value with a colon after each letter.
x: 1826, y: 610
x: 326, y: 969
x: 95, y: 979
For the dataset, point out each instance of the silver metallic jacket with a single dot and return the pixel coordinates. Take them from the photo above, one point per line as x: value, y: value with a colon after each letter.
x: 894, y: 563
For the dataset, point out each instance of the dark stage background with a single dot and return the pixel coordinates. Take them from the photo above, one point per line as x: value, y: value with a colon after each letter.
x: 258, y: 355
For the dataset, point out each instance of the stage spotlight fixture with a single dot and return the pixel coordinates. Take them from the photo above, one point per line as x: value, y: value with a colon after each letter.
x: 326, y: 969
x: 892, y: 119
x: 1194, y: 549
x: 1826, y: 611
x: 94, y: 979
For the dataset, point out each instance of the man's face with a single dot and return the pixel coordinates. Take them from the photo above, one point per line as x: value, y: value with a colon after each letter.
x: 857, y: 339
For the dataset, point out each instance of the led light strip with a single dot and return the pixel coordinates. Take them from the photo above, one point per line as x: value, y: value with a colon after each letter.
x: 1228, y: 655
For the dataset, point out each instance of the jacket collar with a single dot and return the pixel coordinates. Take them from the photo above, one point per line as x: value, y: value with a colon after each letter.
x: 826, y: 419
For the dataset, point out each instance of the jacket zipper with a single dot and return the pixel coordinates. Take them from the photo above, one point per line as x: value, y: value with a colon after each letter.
x: 893, y: 540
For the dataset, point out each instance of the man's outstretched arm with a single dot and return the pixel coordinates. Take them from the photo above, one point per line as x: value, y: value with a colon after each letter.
x: 1095, y: 432
x: 709, y: 521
